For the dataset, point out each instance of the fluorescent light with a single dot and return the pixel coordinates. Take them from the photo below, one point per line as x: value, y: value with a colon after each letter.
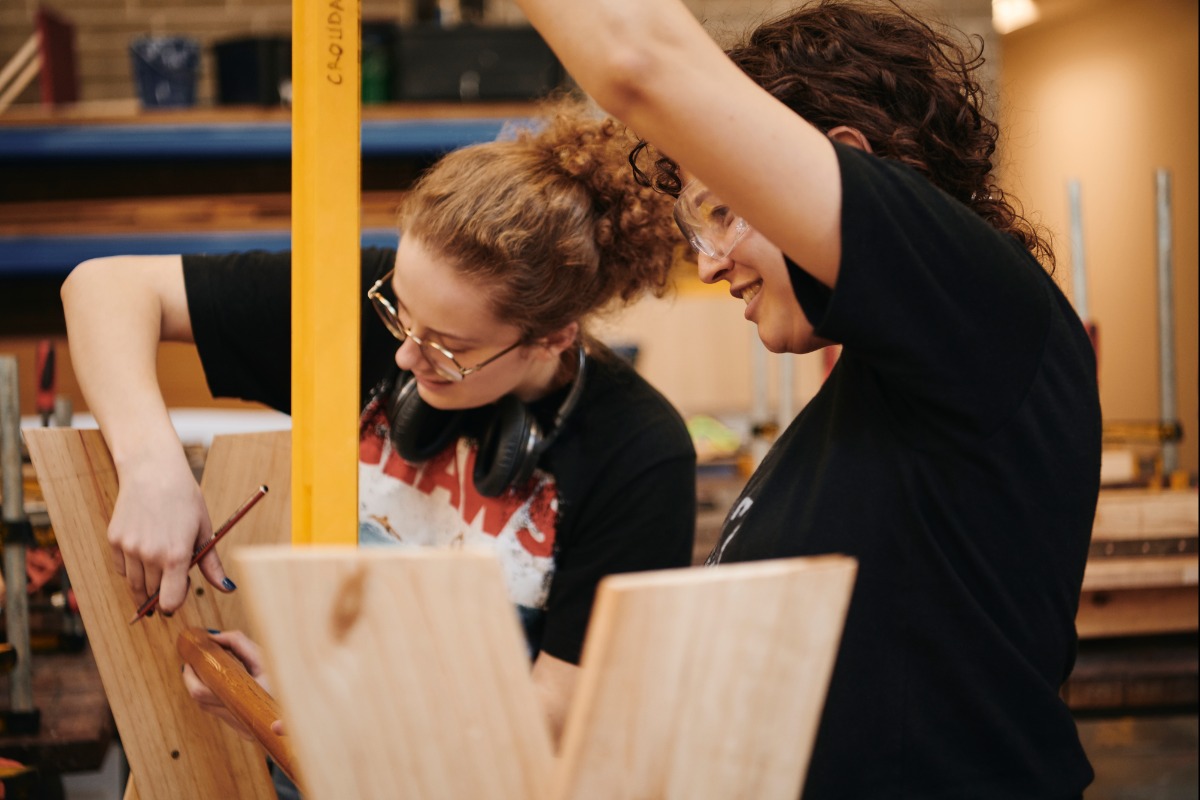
x: 1008, y: 15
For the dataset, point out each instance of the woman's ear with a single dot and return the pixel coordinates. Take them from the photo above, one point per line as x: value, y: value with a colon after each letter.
x: 851, y: 136
x: 553, y: 344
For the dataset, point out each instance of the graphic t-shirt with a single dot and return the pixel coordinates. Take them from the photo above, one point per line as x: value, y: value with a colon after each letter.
x: 615, y: 491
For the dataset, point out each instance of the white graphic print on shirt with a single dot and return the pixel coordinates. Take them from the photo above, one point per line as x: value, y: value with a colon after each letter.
x: 435, y: 504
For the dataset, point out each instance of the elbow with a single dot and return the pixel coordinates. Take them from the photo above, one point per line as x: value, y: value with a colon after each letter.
x: 622, y: 80
x: 78, y: 280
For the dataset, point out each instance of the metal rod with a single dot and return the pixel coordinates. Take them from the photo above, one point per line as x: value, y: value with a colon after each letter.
x: 16, y: 523
x: 1168, y: 412
x: 1078, y: 264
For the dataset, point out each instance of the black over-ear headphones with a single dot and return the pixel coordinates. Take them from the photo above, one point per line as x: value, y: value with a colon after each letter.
x: 509, y: 448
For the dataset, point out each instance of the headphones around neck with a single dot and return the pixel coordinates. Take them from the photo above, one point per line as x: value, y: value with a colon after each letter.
x: 509, y: 447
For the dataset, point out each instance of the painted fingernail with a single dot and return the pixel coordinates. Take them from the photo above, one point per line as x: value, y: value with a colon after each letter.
x: 229, y: 585
x: 213, y: 631
x: 168, y: 614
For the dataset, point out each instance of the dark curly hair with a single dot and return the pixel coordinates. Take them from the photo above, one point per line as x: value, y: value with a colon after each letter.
x: 549, y: 219
x: 910, y: 89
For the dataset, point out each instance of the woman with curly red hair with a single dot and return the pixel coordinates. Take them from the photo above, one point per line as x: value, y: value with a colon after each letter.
x: 491, y: 418
x: 836, y: 171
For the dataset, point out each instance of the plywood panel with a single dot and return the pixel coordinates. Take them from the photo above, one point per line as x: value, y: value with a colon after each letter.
x: 705, y: 683
x: 174, y: 749
x: 1146, y: 514
x: 234, y: 466
x: 400, y: 673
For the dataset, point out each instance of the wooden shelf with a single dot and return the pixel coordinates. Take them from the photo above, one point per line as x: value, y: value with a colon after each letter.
x: 251, y: 133
x: 49, y: 238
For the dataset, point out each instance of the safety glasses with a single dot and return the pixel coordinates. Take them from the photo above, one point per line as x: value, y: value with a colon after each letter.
x: 709, y: 225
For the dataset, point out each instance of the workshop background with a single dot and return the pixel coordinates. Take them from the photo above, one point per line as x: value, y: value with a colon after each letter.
x: 1099, y: 93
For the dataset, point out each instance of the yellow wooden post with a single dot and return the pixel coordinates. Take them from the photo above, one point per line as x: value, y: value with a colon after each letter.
x: 326, y: 111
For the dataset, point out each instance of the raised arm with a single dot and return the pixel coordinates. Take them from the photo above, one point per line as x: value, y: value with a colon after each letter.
x: 118, y: 310
x: 651, y: 64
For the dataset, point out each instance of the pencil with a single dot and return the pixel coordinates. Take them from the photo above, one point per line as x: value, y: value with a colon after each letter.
x: 150, y: 603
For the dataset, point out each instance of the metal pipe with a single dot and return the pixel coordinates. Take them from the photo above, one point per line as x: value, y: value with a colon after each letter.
x: 1078, y: 264
x: 16, y: 526
x: 1168, y: 412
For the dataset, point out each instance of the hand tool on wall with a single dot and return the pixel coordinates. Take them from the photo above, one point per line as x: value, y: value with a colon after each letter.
x: 46, y: 380
x: 21, y: 716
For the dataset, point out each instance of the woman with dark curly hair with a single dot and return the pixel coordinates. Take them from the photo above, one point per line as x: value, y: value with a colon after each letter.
x: 491, y: 418
x: 835, y: 170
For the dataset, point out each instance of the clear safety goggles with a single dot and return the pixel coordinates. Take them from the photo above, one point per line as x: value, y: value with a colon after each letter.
x: 709, y: 225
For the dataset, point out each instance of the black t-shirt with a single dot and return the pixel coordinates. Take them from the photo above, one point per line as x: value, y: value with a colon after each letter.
x: 955, y: 452
x: 614, y: 492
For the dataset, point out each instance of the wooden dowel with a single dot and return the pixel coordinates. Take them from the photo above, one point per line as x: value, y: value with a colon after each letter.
x: 25, y: 65
x: 241, y: 694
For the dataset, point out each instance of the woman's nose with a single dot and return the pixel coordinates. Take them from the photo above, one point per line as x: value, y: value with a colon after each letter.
x: 712, y: 269
x: 408, y: 355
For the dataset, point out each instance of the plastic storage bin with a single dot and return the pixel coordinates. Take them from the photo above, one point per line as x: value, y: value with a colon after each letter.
x: 164, y: 70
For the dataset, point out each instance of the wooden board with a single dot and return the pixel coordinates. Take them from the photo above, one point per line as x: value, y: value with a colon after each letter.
x: 1146, y: 514
x: 1141, y: 572
x: 174, y: 749
x: 326, y: 167
x: 401, y: 673
x: 234, y: 466
x: 705, y: 683
x: 1138, y: 612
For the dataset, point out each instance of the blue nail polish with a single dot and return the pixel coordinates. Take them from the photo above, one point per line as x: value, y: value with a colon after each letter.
x: 213, y: 631
x: 168, y: 614
x: 229, y: 585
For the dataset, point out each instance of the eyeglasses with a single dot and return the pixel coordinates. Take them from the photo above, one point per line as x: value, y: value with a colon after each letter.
x: 438, y: 357
x: 709, y: 225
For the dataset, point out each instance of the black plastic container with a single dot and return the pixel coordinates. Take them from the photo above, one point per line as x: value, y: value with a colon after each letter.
x: 164, y: 70
x: 470, y: 63
x: 254, y: 70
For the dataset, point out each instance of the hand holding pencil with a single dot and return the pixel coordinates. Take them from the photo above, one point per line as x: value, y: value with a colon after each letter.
x: 148, y: 606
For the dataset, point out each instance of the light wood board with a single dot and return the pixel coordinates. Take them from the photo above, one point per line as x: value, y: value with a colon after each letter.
x: 1146, y: 514
x: 705, y: 684
x: 174, y: 749
x: 401, y: 673
x: 326, y: 109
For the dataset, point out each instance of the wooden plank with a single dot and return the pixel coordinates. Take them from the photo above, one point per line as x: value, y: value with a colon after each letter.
x: 235, y: 464
x: 326, y: 111
x: 1146, y: 514
x: 1141, y: 572
x: 705, y: 683
x: 1137, y: 612
x: 239, y: 212
x: 174, y: 749
x: 401, y: 673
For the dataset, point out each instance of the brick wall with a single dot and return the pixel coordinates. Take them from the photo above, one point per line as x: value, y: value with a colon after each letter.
x: 104, y: 28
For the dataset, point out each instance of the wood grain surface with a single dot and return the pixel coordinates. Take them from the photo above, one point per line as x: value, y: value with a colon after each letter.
x: 705, y: 684
x: 174, y: 749
x: 401, y: 673
x: 227, y: 677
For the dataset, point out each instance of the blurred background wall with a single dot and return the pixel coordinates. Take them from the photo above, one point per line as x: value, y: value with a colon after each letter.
x: 1103, y: 91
